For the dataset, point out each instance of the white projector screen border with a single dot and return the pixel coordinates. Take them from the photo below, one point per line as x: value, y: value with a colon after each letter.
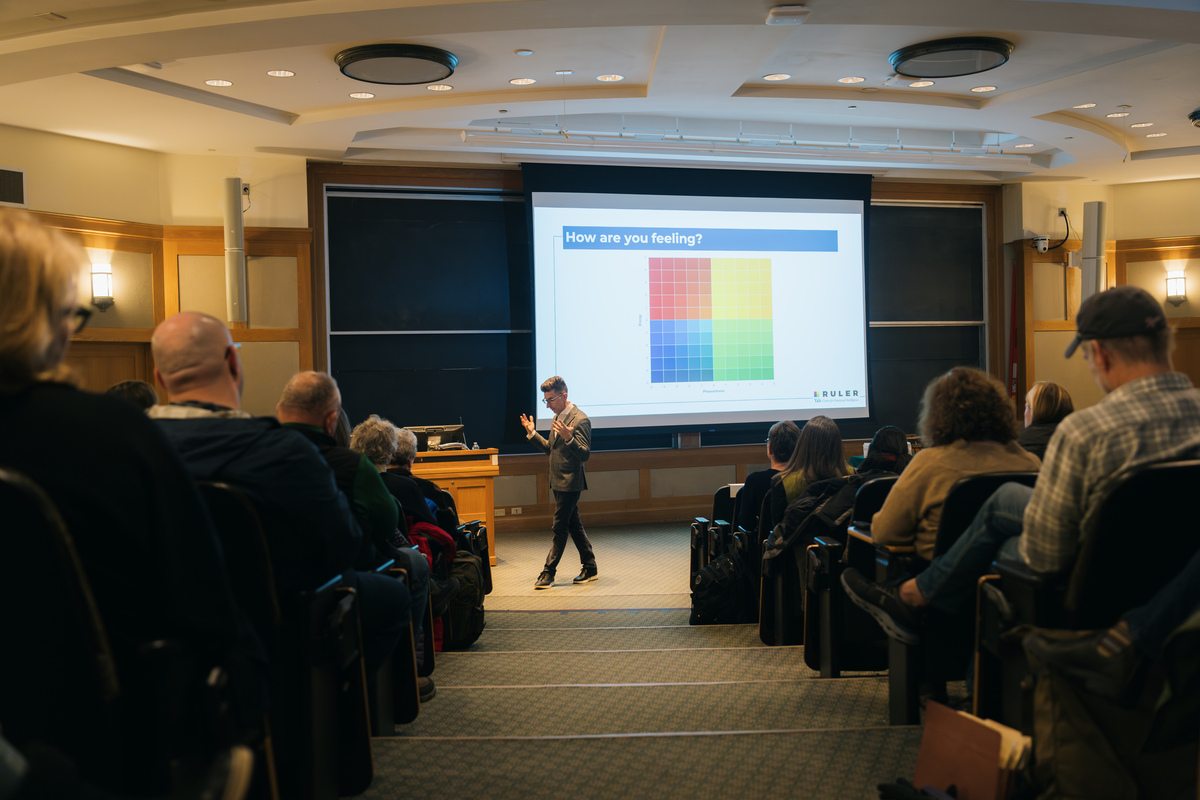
x: 595, y: 305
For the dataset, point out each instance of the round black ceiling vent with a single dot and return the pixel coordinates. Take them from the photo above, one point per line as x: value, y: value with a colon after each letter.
x: 950, y: 58
x: 1195, y: 117
x: 399, y: 64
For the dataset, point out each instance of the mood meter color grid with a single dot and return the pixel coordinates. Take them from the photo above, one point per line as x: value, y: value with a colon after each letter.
x: 710, y: 320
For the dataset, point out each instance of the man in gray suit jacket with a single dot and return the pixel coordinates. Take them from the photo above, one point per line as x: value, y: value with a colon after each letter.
x: 569, y: 446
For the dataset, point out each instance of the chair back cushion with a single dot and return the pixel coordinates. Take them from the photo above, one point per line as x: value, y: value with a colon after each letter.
x: 1146, y: 533
x: 964, y: 500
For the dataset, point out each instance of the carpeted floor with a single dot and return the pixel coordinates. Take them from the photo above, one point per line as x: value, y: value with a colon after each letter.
x: 604, y: 690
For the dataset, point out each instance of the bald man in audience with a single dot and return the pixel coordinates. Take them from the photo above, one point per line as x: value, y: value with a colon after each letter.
x: 309, y: 405
x: 312, y: 533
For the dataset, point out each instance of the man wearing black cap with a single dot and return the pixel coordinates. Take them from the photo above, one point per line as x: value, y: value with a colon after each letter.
x: 1149, y: 414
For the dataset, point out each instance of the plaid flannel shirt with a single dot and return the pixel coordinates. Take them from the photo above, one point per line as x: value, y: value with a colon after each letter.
x: 1144, y: 421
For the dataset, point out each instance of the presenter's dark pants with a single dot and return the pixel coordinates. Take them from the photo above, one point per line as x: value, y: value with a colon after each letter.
x: 566, y: 521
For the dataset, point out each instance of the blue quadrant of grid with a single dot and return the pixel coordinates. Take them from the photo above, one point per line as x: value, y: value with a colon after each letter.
x: 681, y: 350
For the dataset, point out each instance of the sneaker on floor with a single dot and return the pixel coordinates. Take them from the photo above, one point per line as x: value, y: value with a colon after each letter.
x: 426, y: 689
x: 545, y: 580
x: 898, y: 620
x: 586, y: 574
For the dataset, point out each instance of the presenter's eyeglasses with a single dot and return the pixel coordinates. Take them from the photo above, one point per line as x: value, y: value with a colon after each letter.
x: 550, y: 400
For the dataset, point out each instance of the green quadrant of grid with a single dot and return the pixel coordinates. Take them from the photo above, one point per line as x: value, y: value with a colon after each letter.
x: 743, y: 350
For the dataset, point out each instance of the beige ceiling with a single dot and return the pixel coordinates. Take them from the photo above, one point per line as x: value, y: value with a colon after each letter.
x: 693, y: 91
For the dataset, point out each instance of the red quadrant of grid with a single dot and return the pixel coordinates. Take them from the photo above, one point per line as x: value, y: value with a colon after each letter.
x: 680, y: 288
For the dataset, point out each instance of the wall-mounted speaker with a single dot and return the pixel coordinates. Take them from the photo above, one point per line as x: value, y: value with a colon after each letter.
x: 1095, y: 271
x: 235, y: 252
x: 12, y: 187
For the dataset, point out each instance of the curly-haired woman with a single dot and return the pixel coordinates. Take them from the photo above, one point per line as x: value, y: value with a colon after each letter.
x: 967, y: 427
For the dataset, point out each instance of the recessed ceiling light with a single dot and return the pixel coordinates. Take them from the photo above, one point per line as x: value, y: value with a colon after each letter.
x: 218, y: 82
x: 610, y: 78
x: 523, y: 81
x: 1155, y: 135
x: 949, y: 58
x: 776, y: 76
x: 920, y: 84
x: 439, y: 87
x: 982, y: 89
x: 281, y: 73
x: 852, y: 79
x: 1023, y: 146
x: 1116, y: 114
x: 524, y: 51
x: 563, y: 72
x: 1085, y: 105
x: 1142, y: 125
x: 361, y: 95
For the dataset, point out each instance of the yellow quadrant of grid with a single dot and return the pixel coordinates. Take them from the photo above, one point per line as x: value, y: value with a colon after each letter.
x: 741, y: 288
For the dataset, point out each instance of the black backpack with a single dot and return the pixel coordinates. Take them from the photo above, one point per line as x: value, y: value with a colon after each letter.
x: 721, y: 590
x: 465, y: 612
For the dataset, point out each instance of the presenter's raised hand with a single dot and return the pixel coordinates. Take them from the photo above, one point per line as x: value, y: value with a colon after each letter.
x: 566, y: 432
x: 527, y: 423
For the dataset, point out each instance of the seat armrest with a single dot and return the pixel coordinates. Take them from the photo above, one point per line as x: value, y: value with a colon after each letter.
x: 862, y: 533
x: 1036, y: 598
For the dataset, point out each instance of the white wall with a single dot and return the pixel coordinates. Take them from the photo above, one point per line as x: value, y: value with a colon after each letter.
x: 68, y: 175
x: 1156, y: 210
x: 1032, y: 209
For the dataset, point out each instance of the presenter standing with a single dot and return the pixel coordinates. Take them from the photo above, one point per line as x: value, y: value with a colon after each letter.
x: 569, y: 446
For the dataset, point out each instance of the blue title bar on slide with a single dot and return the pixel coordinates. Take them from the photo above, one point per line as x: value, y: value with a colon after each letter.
x: 741, y: 239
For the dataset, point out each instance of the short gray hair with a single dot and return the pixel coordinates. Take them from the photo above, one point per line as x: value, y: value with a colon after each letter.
x: 311, y: 394
x: 408, y: 446
x: 376, y: 439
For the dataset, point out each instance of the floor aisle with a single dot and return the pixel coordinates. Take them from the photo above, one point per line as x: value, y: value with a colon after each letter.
x: 580, y: 691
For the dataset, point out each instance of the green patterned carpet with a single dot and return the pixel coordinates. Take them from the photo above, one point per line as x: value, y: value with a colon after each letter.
x: 585, y: 692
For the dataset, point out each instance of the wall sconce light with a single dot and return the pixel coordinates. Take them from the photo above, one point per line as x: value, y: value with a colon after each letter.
x: 102, y: 295
x: 1176, y: 288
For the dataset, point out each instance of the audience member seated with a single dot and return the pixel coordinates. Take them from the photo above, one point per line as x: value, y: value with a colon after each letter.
x: 818, y: 456
x: 138, y: 524
x: 310, y: 405
x: 781, y: 441
x: 1046, y: 405
x: 888, y: 452
x: 402, y: 464
x: 310, y: 528
x: 379, y: 441
x: 1149, y: 414
x: 139, y: 393
x: 967, y: 425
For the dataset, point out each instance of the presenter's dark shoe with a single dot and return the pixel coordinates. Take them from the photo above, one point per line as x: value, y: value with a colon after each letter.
x: 545, y: 580
x: 425, y: 689
x: 898, y: 620
x: 585, y: 575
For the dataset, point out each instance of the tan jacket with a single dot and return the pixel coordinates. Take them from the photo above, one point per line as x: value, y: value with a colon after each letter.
x: 913, y: 508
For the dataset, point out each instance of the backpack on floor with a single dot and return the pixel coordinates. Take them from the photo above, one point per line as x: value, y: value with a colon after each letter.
x: 465, y: 612
x: 721, y: 590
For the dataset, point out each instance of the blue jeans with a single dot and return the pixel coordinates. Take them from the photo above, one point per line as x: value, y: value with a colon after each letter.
x: 418, y: 586
x: 383, y: 606
x: 1152, y: 623
x: 949, y: 581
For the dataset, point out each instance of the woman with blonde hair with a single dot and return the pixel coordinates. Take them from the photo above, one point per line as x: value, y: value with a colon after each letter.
x: 967, y: 427
x: 138, y: 525
x: 1046, y: 405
